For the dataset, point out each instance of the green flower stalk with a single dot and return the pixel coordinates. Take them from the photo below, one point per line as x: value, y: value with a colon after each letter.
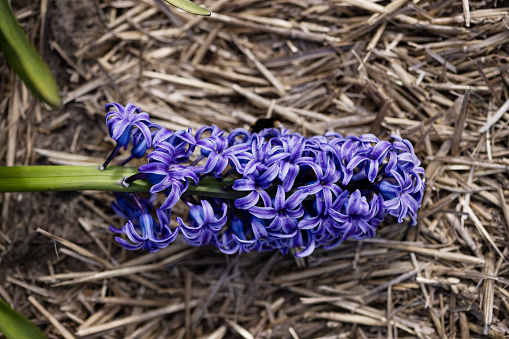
x: 67, y: 178
x: 80, y: 178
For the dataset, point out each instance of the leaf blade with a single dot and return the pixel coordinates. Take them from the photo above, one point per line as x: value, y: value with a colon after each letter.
x: 24, y: 58
x: 14, y: 326
x: 188, y: 6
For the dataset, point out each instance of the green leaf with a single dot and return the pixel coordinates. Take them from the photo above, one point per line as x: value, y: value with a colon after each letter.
x: 14, y: 326
x: 188, y: 6
x: 24, y: 59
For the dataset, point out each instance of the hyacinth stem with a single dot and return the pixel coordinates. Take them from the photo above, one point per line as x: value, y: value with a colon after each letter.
x: 123, y: 163
x: 110, y: 157
x: 138, y: 176
x: 79, y: 178
x: 137, y: 201
x: 67, y: 178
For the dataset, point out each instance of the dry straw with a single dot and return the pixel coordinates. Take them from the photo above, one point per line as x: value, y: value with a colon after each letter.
x: 435, y: 72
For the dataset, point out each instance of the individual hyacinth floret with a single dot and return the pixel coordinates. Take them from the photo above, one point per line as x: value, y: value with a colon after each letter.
x: 123, y: 123
x: 279, y: 190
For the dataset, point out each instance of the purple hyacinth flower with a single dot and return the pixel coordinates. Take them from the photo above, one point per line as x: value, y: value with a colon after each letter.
x: 372, y: 158
x: 205, y: 224
x: 235, y: 239
x: 290, y: 155
x: 283, y: 213
x: 140, y: 146
x: 403, y: 159
x: 121, y: 122
x: 400, y: 198
x: 284, y: 242
x: 239, y: 136
x: 219, y: 154
x: 225, y: 241
x: 309, y: 247
x: 259, y: 241
x: 140, y: 143
x: 324, y: 187
x: 126, y: 208
x: 258, y: 155
x: 180, y: 145
x: 358, y: 218
x: 256, y: 182
x: 300, y: 192
x: 323, y: 228
x: 163, y: 174
x: 153, y: 236
x: 348, y: 147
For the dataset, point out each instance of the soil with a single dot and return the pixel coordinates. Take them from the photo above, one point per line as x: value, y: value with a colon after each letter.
x: 56, y: 212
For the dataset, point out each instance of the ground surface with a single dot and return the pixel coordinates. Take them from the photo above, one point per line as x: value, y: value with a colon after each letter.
x: 352, y: 66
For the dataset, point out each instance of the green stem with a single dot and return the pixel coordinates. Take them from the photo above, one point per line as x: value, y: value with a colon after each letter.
x: 79, y: 178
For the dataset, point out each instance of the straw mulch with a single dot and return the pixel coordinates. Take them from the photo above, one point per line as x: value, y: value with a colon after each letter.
x: 435, y: 72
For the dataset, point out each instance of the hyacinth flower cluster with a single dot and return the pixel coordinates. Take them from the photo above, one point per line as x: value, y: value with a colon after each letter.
x: 280, y: 190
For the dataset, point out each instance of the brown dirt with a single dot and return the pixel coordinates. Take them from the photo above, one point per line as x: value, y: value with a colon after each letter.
x: 56, y: 212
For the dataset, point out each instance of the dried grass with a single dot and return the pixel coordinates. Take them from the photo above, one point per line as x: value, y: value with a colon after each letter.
x: 435, y: 72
